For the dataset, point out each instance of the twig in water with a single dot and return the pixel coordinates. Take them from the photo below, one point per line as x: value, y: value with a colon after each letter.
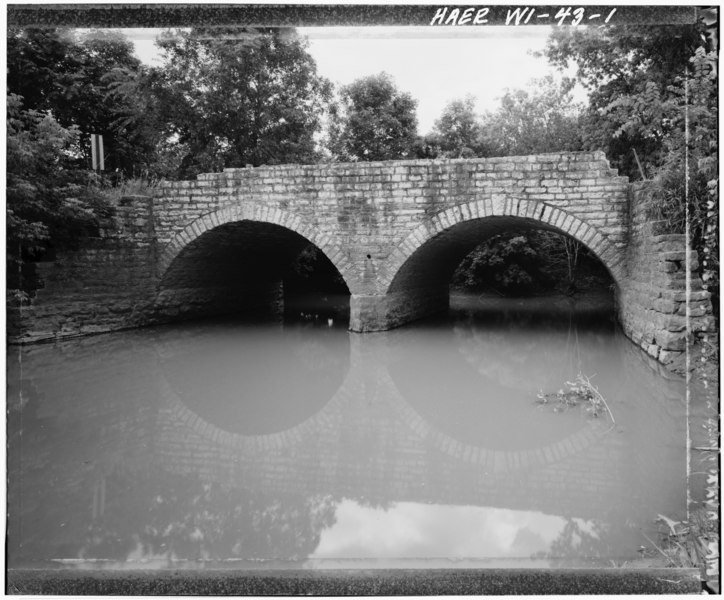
x: 592, y: 388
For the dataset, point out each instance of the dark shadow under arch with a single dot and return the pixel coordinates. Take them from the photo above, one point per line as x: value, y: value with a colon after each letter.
x: 433, y: 263
x: 235, y: 267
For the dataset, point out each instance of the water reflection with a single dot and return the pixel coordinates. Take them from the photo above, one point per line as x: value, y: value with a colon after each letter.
x: 415, y: 530
x: 230, y: 441
x: 179, y: 517
x: 284, y: 376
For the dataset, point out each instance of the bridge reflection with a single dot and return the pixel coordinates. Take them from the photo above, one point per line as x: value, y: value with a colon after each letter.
x: 117, y: 453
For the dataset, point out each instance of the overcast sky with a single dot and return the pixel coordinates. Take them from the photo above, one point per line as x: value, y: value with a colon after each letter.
x: 436, y: 65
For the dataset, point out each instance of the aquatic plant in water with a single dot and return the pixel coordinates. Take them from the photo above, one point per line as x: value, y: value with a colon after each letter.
x: 578, y: 392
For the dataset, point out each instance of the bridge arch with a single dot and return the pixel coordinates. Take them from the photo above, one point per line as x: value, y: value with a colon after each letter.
x: 414, y: 280
x: 454, y: 232
x: 260, y: 213
x: 234, y: 258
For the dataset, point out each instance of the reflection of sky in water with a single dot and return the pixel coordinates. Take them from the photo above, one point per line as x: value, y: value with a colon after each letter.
x: 414, y: 530
x: 97, y: 441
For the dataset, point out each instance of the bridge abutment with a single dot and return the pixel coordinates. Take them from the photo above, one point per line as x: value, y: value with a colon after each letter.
x: 662, y: 303
x: 394, y: 231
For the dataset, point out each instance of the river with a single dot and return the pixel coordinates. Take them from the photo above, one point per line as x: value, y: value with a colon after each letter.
x: 298, y: 443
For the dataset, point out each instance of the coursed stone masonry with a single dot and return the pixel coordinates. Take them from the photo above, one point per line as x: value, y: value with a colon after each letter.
x: 663, y: 306
x: 394, y: 230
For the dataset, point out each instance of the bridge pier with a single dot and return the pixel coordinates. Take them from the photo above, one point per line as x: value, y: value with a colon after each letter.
x: 394, y: 231
x: 387, y: 311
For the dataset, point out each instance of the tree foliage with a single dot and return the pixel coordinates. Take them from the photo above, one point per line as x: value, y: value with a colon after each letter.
x: 458, y: 131
x: 373, y: 121
x: 653, y: 109
x: 525, y: 261
x: 621, y: 64
x: 237, y: 97
x: 218, y: 101
x: 72, y: 76
x: 48, y: 200
x: 541, y: 119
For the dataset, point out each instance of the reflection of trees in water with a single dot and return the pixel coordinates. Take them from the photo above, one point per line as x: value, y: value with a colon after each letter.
x: 181, y: 517
x: 594, y: 311
x: 539, y: 336
x: 594, y: 539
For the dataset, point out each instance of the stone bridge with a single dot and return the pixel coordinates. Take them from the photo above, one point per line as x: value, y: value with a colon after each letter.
x: 395, y: 231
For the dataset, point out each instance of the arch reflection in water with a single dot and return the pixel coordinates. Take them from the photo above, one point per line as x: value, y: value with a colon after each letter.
x: 495, y: 362
x: 106, y: 467
x: 255, y: 379
x: 469, y: 388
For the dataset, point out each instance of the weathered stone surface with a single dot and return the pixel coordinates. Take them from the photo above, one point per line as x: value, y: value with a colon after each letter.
x: 394, y: 231
x: 655, y: 295
x: 671, y: 340
x: 380, y: 313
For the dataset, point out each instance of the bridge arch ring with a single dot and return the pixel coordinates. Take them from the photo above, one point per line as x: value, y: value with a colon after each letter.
x: 258, y: 212
x: 546, y: 214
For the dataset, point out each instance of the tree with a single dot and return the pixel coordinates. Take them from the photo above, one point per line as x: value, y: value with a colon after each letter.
x: 620, y: 61
x: 544, y: 120
x: 686, y: 185
x: 237, y: 97
x: 374, y: 121
x: 507, y: 263
x: 653, y: 109
x: 70, y: 76
x: 138, y: 117
x: 458, y: 131
x: 524, y: 261
x: 49, y: 201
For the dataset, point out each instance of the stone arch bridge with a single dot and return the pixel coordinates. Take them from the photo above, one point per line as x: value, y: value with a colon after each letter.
x: 394, y: 230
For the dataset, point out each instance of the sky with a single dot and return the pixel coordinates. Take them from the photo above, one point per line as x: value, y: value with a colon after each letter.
x: 435, y: 65
x: 428, y: 531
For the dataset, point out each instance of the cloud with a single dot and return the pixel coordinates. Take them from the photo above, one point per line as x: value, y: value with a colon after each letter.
x: 416, y: 530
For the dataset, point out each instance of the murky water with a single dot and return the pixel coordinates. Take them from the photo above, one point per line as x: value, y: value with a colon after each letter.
x: 302, y: 444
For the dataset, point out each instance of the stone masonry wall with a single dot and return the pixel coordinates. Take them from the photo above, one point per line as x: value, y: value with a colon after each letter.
x: 370, y: 219
x: 359, y: 214
x: 107, y: 284
x: 373, y: 221
x: 653, y: 297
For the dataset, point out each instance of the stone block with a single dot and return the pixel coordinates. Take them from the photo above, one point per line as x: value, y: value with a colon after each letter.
x: 668, y: 356
x: 665, y: 306
x: 670, y: 340
x: 674, y: 323
x: 698, y: 311
x: 670, y: 266
x: 679, y: 255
